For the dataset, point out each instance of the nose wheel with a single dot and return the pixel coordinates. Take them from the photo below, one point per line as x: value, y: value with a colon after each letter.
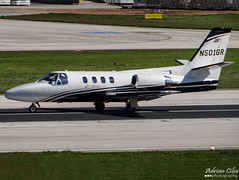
x: 33, y: 108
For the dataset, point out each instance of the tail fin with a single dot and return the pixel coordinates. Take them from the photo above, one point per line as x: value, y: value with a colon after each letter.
x: 209, y: 57
x: 213, y: 48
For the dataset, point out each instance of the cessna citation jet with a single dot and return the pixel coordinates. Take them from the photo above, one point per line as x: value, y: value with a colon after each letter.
x: 201, y: 73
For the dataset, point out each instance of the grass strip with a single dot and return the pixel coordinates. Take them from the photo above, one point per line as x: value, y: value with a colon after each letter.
x: 172, y: 21
x: 24, y: 67
x: 121, y: 165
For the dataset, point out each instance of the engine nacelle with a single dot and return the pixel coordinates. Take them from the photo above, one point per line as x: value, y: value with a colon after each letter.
x: 148, y: 80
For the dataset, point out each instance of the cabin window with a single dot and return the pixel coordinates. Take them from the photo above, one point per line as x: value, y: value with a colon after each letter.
x: 111, y: 79
x: 94, y: 80
x: 102, y: 79
x: 85, y: 80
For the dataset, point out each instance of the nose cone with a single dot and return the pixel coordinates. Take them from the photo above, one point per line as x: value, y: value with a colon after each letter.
x: 27, y: 92
x: 9, y: 94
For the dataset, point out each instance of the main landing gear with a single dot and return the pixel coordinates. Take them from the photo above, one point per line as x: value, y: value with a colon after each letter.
x: 33, y: 108
x: 131, y: 105
x: 99, y: 106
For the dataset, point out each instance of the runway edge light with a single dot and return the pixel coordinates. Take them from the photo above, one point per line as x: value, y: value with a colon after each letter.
x: 212, y: 148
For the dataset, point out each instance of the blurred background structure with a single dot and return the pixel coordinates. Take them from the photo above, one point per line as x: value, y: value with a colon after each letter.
x: 155, y: 4
x: 177, y: 4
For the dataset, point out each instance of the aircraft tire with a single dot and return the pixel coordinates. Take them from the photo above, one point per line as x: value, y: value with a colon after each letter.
x: 32, y: 108
x: 99, y: 106
x: 130, y: 109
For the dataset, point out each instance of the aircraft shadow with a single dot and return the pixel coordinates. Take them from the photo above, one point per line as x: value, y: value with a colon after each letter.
x: 118, y: 113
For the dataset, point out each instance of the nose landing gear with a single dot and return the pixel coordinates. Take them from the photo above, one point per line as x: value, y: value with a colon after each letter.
x: 33, y: 108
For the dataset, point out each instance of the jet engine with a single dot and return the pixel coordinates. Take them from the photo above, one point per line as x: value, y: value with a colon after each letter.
x: 148, y: 80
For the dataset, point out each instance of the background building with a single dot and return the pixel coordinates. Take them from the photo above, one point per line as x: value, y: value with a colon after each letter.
x: 15, y: 2
x: 56, y: 1
x: 180, y: 4
x: 193, y: 4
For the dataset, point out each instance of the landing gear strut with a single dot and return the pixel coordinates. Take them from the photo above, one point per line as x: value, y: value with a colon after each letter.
x: 99, y: 106
x: 129, y: 108
x: 131, y: 105
x: 33, y: 108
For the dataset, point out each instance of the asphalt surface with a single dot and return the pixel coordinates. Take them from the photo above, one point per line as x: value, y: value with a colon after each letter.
x: 152, y: 112
x: 211, y: 104
x: 190, y: 121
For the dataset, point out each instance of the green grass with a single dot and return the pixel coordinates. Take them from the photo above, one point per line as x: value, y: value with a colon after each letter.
x: 173, y: 21
x: 23, y: 67
x: 125, y: 165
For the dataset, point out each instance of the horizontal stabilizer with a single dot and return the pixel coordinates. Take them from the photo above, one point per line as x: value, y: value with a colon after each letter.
x: 214, y: 66
x: 182, y: 62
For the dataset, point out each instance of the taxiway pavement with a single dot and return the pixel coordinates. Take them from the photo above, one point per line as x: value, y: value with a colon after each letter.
x: 175, y: 122
x: 26, y: 36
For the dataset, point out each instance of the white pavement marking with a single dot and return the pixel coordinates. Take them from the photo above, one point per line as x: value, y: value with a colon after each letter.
x: 203, y: 110
x: 27, y: 35
x: 34, y: 114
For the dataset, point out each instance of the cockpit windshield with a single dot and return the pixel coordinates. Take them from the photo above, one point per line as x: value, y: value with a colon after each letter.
x: 55, y: 79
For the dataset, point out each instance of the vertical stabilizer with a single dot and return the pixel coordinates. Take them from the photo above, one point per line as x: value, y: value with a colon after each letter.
x: 208, y: 60
x: 213, y: 49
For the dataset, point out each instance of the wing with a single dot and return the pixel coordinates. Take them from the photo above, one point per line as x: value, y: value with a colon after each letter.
x: 136, y: 93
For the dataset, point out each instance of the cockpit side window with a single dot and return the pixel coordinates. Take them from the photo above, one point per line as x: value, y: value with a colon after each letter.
x: 55, y: 78
x: 63, y: 78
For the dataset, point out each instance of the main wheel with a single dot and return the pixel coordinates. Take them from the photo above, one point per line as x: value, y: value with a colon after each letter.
x: 32, y: 108
x: 129, y: 108
x: 99, y: 106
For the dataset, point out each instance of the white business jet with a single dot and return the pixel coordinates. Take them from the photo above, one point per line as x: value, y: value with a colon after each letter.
x: 201, y: 73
